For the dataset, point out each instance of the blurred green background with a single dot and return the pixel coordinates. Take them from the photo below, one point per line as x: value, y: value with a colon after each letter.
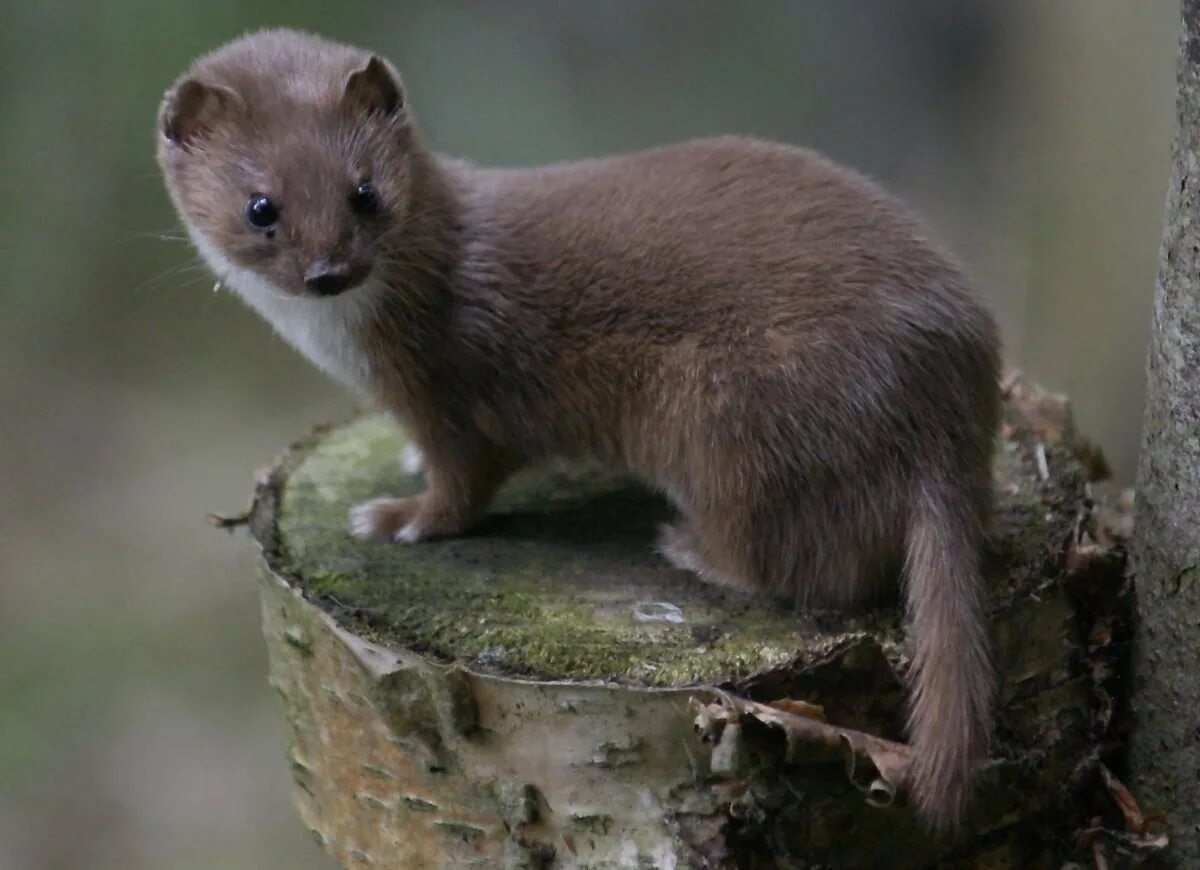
x: 136, y: 726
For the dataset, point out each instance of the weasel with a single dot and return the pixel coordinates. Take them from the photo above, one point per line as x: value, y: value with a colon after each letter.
x: 765, y: 337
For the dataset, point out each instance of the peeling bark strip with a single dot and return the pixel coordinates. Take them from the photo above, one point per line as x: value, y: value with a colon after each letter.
x: 1166, y: 739
x: 547, y: 693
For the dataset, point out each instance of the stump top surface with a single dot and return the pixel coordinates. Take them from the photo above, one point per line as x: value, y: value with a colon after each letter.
x: 560, y: 581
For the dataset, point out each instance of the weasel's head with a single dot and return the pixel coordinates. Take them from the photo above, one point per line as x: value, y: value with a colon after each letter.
x: 290, y: 160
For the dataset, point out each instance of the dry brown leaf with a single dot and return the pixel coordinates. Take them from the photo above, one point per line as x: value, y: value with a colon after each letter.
x: 1046, y: 415
x: 1113, y: 519
x: 1156, y: 820
x: 1154, y: 841
x: 1101, y: 634
x: 892, y: 761
x: 1134, y: 820
x: 799, y: 708
x: 1080, y: 554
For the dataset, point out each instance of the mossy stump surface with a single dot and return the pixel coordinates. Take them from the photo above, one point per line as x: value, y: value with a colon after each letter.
x: 526, y: 696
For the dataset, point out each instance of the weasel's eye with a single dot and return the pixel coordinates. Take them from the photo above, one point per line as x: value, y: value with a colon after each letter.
x: 364, y: 200
x: 261, y: 212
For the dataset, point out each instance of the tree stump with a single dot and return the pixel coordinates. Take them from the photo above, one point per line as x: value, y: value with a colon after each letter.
x: 546, y: 692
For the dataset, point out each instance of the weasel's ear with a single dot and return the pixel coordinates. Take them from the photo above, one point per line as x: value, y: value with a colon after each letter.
x: 374, y: 89
x: 190, y: 110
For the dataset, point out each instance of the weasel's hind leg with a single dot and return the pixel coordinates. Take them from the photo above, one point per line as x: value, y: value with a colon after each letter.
x: 792, y: 553
x: 677, y: 544
x: 682, y: 547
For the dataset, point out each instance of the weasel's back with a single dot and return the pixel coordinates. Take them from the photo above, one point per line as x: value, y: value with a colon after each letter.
x: 699, y: 224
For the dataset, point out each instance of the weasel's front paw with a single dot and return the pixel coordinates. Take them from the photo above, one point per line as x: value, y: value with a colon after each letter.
x: 387, y: 519
x: 404, y: 520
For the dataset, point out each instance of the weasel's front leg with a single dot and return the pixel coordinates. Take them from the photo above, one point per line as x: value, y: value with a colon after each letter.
x: 458, y: 491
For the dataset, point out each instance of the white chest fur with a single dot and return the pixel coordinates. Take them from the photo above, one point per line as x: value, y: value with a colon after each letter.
x: 330, y: 331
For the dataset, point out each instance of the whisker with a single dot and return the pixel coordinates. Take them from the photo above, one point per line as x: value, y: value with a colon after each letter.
x: 136, y: 236
x: 192, y: 270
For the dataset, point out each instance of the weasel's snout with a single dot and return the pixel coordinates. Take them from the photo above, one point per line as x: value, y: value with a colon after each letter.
x: 330, y: 279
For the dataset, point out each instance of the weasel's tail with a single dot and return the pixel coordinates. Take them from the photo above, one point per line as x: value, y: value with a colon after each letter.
x: 950, y: 680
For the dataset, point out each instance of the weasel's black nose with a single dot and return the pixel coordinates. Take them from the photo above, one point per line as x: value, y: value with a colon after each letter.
x: 328, y: 280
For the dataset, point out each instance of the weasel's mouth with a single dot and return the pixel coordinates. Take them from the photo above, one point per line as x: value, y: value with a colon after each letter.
x: 334, y: 280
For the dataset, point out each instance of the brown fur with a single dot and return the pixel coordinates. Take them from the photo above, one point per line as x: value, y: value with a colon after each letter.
x: 767, y: 338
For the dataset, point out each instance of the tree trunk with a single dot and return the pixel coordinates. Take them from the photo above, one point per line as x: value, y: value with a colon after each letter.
x: 546, y: 692
x: 1165, y: 755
